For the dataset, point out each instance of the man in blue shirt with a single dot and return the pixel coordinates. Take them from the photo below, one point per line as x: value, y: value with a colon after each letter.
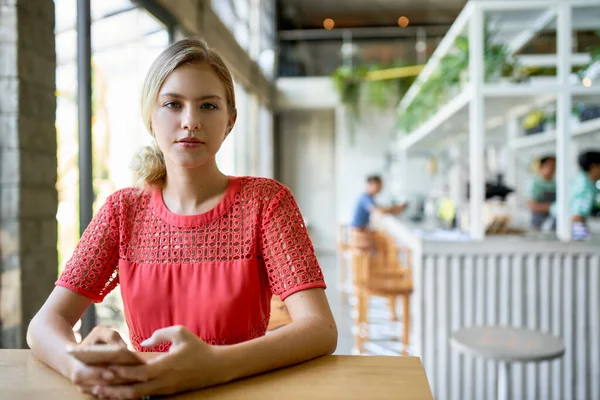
x: 366, y: 204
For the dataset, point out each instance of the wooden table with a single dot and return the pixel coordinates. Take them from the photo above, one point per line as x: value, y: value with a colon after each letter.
x: 23, y: 377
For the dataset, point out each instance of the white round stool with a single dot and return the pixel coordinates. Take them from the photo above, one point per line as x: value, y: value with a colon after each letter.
x: 507, y: 345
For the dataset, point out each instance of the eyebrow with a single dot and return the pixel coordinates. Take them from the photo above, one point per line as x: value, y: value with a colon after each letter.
x: 178, y: 96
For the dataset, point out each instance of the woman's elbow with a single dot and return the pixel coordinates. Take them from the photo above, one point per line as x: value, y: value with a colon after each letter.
x: 30, y: 336
x: 330, y: 336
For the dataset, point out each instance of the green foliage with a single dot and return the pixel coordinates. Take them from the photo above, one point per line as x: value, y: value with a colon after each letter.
x: 451, y: 75
x: 356, y: 91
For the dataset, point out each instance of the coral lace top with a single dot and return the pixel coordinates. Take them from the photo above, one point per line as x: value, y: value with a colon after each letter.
x: 214, y: 273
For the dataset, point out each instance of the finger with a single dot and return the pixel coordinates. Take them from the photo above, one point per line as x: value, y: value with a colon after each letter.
x: 85, y: 389
x: 87, y: 375
x: 143, y: 373
x: 173, y: 334
x: 109, y: 336
x: 153, y: 387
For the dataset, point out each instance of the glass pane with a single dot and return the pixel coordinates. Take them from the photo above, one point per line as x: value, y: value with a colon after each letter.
x: 242, y: 10
x: 66, y: 11
x: 123, y: 28
x: 265, y: 148
x: 123, y: 47
x: 65, y: 14
x: 240, y: 130
x: 101, y: 9
x: 224, y: 11
x: 241, y: 34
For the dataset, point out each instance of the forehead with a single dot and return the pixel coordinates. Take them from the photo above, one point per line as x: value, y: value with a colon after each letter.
x: 196, y: 79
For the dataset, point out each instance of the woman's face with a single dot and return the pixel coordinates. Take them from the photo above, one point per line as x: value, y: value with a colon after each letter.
x: 191, y: 117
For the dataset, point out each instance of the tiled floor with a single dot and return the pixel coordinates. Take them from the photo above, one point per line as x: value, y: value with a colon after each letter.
x: 384, y: 334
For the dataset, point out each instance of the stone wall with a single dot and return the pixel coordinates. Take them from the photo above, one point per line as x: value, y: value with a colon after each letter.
x: 28, y: 165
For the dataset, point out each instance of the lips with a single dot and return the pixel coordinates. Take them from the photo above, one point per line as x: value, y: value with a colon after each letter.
x: 190, y: 140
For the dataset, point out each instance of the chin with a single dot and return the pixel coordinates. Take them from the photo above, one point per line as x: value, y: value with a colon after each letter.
x: 190, y: 164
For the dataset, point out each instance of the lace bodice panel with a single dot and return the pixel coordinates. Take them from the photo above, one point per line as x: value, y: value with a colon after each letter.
x: 258, y: 217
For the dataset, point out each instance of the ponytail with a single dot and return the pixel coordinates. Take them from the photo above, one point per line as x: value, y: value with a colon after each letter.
x: 149, y: 167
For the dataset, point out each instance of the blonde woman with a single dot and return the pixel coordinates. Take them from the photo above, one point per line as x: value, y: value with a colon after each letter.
x: 198, y: 254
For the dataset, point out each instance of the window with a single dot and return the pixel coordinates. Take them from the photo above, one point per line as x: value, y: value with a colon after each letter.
x: 235, y: 15
x: 125, y: 40
x: 265, y: 147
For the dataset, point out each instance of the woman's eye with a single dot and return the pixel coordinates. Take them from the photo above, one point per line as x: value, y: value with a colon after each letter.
x: 209, y: 106
x: 172, y: 104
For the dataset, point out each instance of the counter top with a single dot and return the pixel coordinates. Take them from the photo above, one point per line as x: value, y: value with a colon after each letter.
x: 417, y: 236
x: 23, y: 377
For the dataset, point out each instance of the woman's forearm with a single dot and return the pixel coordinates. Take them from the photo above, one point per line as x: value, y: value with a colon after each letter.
x: 48, y: 338
x: 299, y: 341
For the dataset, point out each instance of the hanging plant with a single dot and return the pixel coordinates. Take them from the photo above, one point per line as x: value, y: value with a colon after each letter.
x: 357, y: 91
x: 452, y: 74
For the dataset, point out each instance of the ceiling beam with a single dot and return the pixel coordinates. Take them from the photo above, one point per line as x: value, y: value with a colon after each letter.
x: 362, y: 33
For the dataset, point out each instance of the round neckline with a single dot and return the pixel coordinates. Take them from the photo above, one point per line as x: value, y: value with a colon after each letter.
x: 186, y: 221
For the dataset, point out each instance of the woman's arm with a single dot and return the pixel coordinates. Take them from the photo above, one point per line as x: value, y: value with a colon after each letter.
x: 192, y: 364
x: 51, y: 330
x: 88, y: 276
x: 311, y: 334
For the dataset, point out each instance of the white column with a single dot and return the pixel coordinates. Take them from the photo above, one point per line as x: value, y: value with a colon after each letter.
x: 476, y: 124
x: 563, y: 115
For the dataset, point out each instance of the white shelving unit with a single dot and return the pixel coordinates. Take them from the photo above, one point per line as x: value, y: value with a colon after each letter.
x: 481, y: 107
x: 548, y: 137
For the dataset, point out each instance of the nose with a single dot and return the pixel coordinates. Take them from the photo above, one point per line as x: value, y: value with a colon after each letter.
x: 190, y: 119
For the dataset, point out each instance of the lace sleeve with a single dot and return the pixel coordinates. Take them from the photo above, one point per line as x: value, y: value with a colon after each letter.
x: 92, y: 269
x: 288, y: 253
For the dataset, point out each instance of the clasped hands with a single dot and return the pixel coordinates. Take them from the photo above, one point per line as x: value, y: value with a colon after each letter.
x: 190, y: 364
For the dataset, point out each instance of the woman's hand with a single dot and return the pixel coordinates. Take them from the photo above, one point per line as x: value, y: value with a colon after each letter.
x: 190, y: 364
x: 85, y: 377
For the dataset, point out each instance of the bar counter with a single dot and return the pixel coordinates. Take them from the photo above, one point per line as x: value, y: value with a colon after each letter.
x: 532, y: 281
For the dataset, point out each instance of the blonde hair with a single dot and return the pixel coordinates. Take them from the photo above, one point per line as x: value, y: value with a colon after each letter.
x: 149, y: 164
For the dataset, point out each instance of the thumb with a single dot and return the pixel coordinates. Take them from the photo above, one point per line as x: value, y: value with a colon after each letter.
x: 173, y: 334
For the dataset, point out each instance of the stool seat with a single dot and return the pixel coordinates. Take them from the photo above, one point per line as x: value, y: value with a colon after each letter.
x: 507, y: 344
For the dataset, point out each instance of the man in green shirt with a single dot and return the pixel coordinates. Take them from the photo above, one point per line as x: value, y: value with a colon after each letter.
x: 583, y: 193
x: 542, y: 193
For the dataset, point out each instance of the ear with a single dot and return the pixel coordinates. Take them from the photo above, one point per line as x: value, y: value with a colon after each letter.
x: 231, y: 122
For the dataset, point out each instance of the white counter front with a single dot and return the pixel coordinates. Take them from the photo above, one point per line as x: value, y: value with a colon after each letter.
x: 531, y: 281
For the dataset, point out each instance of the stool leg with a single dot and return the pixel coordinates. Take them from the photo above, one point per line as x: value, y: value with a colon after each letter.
x: 392, y: 305
x: 504, y: 381
x: 406, y: 336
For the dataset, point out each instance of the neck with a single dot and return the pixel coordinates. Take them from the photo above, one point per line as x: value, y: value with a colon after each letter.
x: 188, y: 189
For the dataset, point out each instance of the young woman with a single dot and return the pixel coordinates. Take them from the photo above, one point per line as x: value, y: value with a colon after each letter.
x: 198, y: 254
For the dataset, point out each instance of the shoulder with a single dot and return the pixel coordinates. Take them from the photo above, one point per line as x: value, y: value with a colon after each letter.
x: 366, y: 198
x: 263, y: 189
x: 128, y: 197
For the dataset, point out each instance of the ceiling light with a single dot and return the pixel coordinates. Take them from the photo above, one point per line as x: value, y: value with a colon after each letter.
x: 587, y: 82
x: 328, y: 24
x: 403, y: 21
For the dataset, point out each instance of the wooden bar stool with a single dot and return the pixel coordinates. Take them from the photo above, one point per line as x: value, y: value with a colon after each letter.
x: 343, y: 247
x: 379, y: 272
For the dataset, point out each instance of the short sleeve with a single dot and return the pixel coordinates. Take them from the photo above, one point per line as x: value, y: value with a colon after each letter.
x: 582, y: 198
x: 534, y: 191
x: 287, y: 250
x: 367, y: 202
x: 92, y: 269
